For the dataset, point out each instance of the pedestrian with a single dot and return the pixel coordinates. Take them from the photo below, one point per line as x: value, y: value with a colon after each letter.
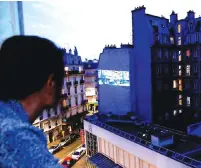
x: 31, y: 74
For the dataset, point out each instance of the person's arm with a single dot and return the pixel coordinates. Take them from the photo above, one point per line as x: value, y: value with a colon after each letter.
x: 26, y: 148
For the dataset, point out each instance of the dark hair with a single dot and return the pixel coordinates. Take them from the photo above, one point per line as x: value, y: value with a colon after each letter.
x: 26, y: 62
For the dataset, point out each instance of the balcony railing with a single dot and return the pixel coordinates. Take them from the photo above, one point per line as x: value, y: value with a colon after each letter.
x: 82, y: 81
x: 169, y: 153
x: 64, y: 96
x: 75, y: 72
x: 75, y: 82
x: 68, y: 84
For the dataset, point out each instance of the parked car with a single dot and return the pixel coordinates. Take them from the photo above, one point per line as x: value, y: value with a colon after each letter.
x: 74, y: 136
x: 78, y: 154
x: 68, y: 162
x: 65, y: 141
x: 83, y: 147
x: 55, y: 148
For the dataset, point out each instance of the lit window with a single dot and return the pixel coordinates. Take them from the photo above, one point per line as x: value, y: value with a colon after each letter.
x: 188, y: 101
x: 64, y: 103
x: 66, y: 68
x: 174, y: 112
x: 180, y: 70
x: 179, y: 55
x: 174, y: 84
x: 180, y: 111
x: 80, y: 68
x: 172, y: 40
x: 188, y: 70
x: 188, y: 53
x: 62, y: 91
x: 180, y: 99
x: 179, y: 40
x: 180, y: 85
x: 179, y: 28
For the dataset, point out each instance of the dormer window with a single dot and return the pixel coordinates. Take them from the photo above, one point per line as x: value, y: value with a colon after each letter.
x: 179, y: 28
x: 179, y: 40
x: 172, y: 40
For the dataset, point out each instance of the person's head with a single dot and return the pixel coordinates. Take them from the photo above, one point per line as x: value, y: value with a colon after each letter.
x: 31, y: 68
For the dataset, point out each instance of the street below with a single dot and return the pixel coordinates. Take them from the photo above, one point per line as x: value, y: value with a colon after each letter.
x: 68, y: 150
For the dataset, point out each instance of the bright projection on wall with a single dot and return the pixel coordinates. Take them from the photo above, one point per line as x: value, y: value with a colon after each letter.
x: 111, y: 77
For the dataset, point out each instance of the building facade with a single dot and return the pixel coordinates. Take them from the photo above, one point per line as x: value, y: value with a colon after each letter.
x: 169, y: 80
x: 68, y: 116
x: 11, y: 19
x: 91, y: 91
x: 116, y: 144
x: 114, y: 85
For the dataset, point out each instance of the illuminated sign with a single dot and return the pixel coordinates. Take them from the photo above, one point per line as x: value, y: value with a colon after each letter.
x: 90, y: 92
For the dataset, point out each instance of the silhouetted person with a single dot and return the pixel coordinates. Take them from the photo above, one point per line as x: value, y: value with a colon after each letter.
x: 31, y: 77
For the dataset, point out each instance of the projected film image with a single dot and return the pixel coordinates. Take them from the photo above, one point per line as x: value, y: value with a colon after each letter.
x: 111, y: 77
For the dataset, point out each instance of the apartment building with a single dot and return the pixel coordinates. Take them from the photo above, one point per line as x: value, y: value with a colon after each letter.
x: 91, y: 91
x: 69, y: 113
x: 136, y: 144
x: 11, y: 19
x: 169, y: 80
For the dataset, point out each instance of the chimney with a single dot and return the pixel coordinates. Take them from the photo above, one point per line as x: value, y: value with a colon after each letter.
x: 173, y: 17
x: 190, y: 14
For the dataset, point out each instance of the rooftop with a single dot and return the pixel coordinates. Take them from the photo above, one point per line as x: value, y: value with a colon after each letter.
x: 184, y: 148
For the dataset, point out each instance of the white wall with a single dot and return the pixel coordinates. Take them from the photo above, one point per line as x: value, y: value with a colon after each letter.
x: 139, y: 151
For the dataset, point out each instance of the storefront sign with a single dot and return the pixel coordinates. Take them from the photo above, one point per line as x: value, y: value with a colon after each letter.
x: 90, y: 92
x: 82, y: 136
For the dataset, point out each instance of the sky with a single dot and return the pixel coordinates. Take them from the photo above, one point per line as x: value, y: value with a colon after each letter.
x: 91, y: 24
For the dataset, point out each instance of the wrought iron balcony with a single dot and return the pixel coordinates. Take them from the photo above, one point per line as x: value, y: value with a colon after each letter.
x: 75, y: 82
x: 75, y: 72
x: 64, y: 96
x: 82, y: 81
x: 68, y: 84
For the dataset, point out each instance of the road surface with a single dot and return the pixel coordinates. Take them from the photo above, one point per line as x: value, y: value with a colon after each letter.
x: 67, y: 151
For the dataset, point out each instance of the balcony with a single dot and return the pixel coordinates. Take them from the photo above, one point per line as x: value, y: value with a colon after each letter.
x: 64, y: 96
x: 69, y: 84
x: 75, y: 72
x: 75, y: 82
x: 82, y: 81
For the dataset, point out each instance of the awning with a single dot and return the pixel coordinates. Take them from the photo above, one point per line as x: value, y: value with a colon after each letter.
x: 101, y: 161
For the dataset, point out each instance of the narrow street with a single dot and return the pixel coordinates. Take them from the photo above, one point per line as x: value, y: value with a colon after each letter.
x: 67, y: 151
x: 81, y: 163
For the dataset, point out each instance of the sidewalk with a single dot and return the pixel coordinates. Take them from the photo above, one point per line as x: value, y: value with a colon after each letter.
x: 58, y: 140
x: 53, y: 143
